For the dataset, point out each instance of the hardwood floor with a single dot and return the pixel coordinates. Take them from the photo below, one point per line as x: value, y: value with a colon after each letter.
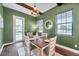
x: 17, y: 49
x: 14, y: 50
x: 10, y: 51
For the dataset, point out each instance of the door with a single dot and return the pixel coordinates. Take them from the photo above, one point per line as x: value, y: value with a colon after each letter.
x: 18, y: 28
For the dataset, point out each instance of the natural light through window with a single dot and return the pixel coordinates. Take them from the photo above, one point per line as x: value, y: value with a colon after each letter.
x: 19, y: 29
x: 64, y: 23
x: 40, y: 25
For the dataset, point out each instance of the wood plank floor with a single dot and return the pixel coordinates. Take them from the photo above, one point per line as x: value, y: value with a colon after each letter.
x: 17, y: 50
x: 14, y: 50
x: 9, y: 51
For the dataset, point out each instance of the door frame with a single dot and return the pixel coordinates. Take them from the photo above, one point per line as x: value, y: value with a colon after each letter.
x: 14, y: 27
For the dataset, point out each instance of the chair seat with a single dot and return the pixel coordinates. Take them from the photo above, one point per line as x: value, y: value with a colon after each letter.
x: 58, y: 54
x: 36, y: 52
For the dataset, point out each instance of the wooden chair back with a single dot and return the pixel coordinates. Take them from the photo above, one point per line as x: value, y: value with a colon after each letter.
x: 44, y: 35
x: 52, y: 45
x: 27, y: 44
x: 30, y: 34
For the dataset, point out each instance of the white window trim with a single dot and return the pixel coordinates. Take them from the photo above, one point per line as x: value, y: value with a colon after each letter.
x: 65, y: 23
x: 14, y: 24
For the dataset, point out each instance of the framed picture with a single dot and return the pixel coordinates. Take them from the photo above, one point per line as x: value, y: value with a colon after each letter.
x: 1, y: 22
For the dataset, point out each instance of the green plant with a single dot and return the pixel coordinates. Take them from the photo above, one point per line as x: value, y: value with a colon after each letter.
x: 35, y: 31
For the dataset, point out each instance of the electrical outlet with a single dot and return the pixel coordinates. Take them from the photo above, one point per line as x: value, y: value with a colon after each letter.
x: 75, y: 45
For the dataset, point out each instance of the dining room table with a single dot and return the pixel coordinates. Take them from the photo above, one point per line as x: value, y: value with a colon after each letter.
x: 40, y: 43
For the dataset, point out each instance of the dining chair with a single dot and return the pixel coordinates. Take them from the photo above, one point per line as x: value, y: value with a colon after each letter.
x: 52, y: 45
x: 30, y: 34
x: 44, y: 35
x: 27, y: 45
x: 50, y: 49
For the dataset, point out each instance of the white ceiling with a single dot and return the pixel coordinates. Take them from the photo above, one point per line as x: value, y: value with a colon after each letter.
x: 43, y: 7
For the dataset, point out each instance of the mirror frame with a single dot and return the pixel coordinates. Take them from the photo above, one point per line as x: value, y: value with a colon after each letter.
x: 48, y: 25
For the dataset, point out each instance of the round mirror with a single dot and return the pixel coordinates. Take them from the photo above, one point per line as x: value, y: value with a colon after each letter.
x: 48, y: 24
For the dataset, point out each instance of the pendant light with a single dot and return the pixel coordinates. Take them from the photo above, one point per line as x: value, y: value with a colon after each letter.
x: 35, y: 11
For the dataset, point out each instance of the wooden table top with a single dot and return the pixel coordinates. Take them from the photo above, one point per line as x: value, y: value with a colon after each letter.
x: 40, y: 43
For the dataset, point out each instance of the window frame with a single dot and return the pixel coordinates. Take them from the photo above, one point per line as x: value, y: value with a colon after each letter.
x: 40, y: 25
x: 64, y: 23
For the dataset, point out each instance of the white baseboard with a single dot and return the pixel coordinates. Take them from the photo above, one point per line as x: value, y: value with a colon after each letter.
x: 67, y: 48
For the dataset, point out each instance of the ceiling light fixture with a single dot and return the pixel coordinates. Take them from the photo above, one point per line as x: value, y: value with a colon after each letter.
x: 35, y: 11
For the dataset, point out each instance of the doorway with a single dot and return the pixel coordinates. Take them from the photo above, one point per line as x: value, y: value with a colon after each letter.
x: 18, y: 28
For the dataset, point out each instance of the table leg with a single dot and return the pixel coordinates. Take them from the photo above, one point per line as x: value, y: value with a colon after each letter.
x: 41, y: 52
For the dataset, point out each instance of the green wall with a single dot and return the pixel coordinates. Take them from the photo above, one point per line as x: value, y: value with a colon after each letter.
x: 30, y: 23
x: 1, y: 29
x: 68, y: 41
x: 8, y: 23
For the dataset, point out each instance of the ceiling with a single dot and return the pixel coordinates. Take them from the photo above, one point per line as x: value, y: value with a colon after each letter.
x: 43, y: 7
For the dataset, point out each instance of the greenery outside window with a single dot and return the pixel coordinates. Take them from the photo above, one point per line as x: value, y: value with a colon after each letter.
x: 40, y: 25
x: 64, y: 23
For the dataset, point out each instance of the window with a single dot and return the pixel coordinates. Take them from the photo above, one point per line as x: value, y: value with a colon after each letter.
x: 64, y: 23
x: 40, y: 25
